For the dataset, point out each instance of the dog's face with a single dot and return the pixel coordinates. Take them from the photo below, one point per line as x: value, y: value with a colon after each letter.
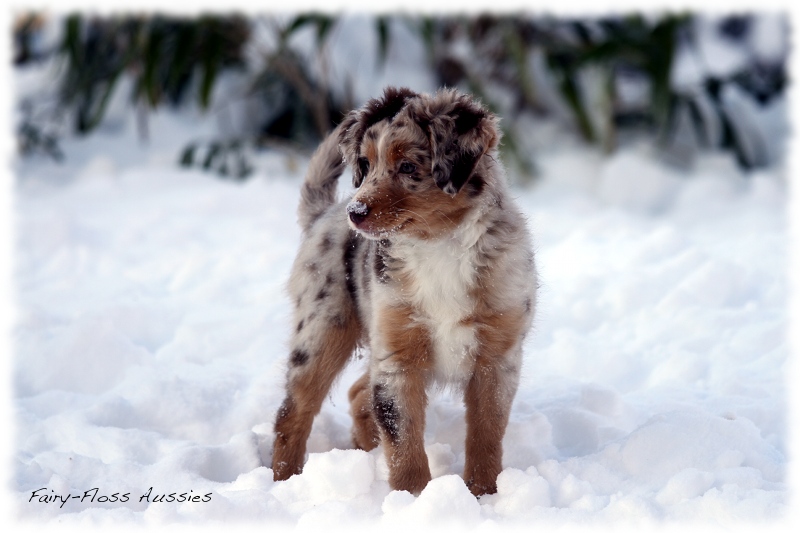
x: 415, y: 161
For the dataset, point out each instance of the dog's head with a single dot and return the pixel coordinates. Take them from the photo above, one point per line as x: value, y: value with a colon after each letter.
x: 416, y: 161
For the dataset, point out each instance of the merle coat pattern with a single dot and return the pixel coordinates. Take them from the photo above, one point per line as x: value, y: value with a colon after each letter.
x: 429, y: 266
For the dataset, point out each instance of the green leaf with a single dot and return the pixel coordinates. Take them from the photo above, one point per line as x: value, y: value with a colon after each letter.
x: 223, y: 168
x: 663, y: 39
x: 72, y: 43
x: 96, y: 117
x: 426, y: 27
x: 182, y: 59
x: 152, y: 58
x: 297, y: 23
x: 72, y: 47
x: 323, y: 24
x: 569, y: 90
x: 519, y: 57
x: 212, y: 59
x: 187, y: 156
x: 382, y: 29
x: 214, y: 150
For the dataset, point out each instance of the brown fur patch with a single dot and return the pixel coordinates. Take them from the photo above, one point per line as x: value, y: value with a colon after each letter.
x: 406, y: 339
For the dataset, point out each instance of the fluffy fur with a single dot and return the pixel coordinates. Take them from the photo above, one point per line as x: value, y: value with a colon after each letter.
x: 429, y: 265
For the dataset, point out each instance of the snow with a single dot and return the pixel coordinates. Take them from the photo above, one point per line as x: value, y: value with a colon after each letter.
x: 769, y: 39
x: 150, y: 349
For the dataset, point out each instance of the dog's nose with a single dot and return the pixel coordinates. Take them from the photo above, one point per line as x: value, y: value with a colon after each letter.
x: 358, y: 211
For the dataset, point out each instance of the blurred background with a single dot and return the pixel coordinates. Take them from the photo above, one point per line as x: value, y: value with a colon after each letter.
x: 684, y: 82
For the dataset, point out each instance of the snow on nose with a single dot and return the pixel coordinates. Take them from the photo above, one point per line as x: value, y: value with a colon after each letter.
x: 357, y: 211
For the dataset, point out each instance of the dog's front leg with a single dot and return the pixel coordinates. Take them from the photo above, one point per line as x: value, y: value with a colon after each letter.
x: 399, y: 375
x: 488, y: 398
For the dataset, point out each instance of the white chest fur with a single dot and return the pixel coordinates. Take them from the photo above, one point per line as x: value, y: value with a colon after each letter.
x: 442, y: 275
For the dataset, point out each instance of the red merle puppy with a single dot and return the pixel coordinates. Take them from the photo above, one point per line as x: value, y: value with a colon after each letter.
x: 429, y: 266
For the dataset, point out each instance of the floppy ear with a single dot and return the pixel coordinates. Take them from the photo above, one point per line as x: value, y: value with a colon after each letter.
x: 459, y: 135
x: 356, y: 123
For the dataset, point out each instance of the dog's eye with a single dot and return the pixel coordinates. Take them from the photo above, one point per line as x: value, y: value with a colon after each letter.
x: 363, y: 165
x: 407, y: 168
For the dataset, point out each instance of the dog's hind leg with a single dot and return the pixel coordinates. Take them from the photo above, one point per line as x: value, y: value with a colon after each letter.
x: 365, y: 431
x: 315, y: 361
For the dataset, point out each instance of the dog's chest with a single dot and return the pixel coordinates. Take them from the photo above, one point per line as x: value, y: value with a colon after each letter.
x: 440, y: 277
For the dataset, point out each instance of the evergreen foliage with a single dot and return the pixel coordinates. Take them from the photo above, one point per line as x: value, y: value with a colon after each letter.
x: 505, y: 60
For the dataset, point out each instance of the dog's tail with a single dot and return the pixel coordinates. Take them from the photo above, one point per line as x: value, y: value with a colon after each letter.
x: 319, y: 189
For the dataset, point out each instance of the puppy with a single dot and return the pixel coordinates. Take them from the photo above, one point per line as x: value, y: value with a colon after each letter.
x: 429, y: 265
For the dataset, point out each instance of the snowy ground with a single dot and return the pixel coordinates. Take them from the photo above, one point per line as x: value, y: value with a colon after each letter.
x: 152, y: 330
